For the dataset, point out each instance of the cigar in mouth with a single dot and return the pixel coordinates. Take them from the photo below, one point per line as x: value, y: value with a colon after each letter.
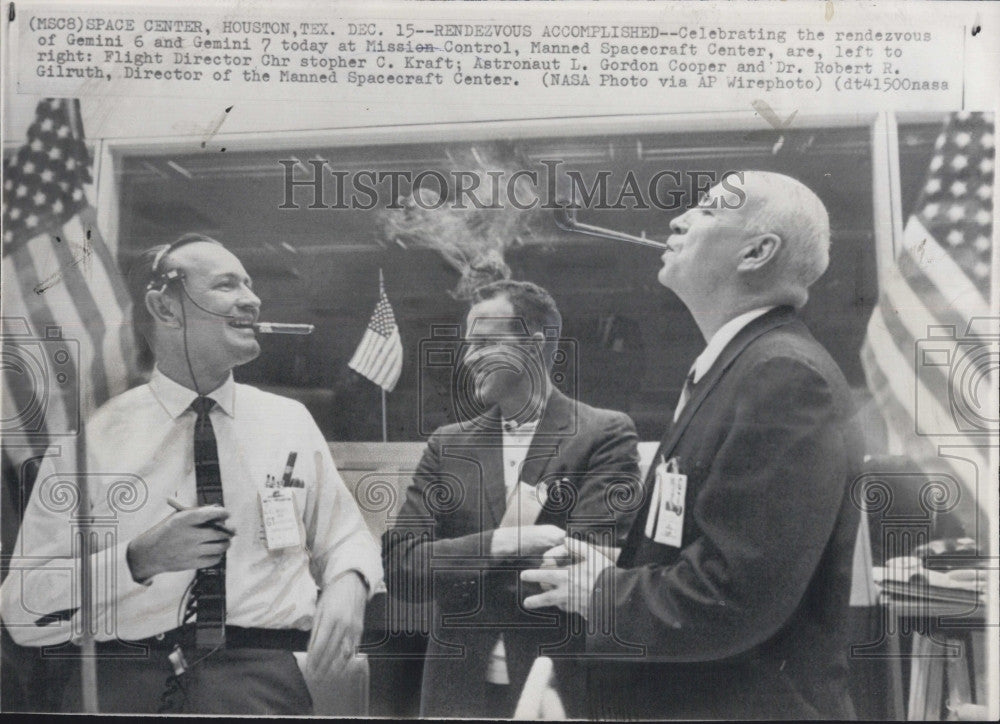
x: 282, y: 328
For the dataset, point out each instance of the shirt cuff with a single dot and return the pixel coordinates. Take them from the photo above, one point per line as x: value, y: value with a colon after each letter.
x: 147, y: 582
x: 369, y: 591
x: 127, y: 598
x: 127, y: 584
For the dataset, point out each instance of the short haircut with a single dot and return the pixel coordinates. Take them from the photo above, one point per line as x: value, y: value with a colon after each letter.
x: 784, y: 206
x: 530, y: 302
x: 149, y: 266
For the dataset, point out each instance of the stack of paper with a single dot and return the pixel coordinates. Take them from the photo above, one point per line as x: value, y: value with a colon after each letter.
x: 907, y: 577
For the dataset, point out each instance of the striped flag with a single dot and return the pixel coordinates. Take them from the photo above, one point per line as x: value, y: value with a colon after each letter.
x: 379, y: 357
x: 66, y: 346
x: 931, y: 353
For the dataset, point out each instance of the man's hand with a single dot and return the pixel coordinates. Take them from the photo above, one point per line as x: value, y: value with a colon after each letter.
x: 568, y: 588
x: 183, y: 541
x: 336, y: 631
x: 525, y: 540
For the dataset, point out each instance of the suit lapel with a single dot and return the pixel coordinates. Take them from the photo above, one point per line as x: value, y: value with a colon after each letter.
x: 490, y: 455
x: 555, y: 420
x: 765, y: 323
x: 542, y: 453
x: 483, y: 444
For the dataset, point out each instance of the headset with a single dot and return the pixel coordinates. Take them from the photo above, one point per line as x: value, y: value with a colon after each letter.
x: 174, y: 696
x: 161, y: 280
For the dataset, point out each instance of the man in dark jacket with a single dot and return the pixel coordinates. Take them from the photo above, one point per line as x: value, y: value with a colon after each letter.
x: 736, y: 574
x: 494, y: 492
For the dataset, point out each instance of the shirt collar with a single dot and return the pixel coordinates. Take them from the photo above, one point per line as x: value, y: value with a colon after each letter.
x: 176, y: 398
x: 511, y: 427
x: 722, y: 338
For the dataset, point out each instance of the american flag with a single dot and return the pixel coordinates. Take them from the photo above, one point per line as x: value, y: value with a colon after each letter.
x: 931, y: 351
x: 379, y: 357
x: 67, y: 346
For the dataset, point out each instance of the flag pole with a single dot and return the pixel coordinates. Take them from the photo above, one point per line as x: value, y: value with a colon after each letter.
x: 385, y: 428
x: 88, y: 663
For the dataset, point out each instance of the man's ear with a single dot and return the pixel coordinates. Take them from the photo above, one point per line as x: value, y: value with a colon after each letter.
x: 760, y: 252
x: 162, y: 307
x: 538, y: 342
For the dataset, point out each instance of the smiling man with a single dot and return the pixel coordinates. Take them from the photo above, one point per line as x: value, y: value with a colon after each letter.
x: 735, y: 577
x: 494, y: 492
x: 236, y: 542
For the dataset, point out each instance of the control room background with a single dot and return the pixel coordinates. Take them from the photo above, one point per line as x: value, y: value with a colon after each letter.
x: 631, y: 339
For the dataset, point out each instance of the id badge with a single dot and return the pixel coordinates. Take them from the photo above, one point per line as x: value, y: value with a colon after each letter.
x: 665, y: 524
x: 281, y: 520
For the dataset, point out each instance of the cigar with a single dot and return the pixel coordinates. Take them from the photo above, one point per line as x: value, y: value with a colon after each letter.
x: 282, y: 328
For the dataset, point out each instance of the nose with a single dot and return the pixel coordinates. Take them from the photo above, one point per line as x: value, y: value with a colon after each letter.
x: 679, y: 224
x: 249, y: 301
x: 470, y: 357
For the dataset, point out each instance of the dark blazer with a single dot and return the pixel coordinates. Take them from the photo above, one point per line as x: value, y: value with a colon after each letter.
x: 748, y: 618
x: 439, y: 547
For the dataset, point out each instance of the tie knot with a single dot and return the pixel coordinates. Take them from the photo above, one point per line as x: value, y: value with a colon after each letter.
x: 202, y: 405
x: 689, y: 380
x: 514, y: 426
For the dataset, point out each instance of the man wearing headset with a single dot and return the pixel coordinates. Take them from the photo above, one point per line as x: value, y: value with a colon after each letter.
x: 234, y: 536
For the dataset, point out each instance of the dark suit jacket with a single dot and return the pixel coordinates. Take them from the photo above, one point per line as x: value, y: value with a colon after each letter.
x: 439, y: 548
x: 747, y: 619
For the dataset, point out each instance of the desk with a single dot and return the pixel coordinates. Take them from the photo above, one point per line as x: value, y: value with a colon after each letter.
x: 947, y: 657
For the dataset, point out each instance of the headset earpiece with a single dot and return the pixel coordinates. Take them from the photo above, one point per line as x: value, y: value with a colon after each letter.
x: 161, y: 281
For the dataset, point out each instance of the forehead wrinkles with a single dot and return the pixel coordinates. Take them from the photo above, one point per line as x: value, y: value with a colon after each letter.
x: 207, y: 260
x: 497, y: 325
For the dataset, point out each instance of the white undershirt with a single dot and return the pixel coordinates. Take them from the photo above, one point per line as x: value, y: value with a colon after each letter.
x: 723, y: 337
x: 725, y: 334
x: 516, y: 442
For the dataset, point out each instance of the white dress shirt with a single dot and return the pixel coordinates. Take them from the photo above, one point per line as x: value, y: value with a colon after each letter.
x: 516, y: 443
x: 722, y: 337
x: 139, y: 453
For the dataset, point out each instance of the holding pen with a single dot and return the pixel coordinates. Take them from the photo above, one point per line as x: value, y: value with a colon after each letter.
x: 191, y: 538
x: 216, y: 525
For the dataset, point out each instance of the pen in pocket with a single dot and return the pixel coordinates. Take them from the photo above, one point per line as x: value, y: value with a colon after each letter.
x: 286, y: 478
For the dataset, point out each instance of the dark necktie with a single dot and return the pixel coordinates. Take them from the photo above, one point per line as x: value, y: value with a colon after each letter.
x: 685, y: 394
x: 210, y: 583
